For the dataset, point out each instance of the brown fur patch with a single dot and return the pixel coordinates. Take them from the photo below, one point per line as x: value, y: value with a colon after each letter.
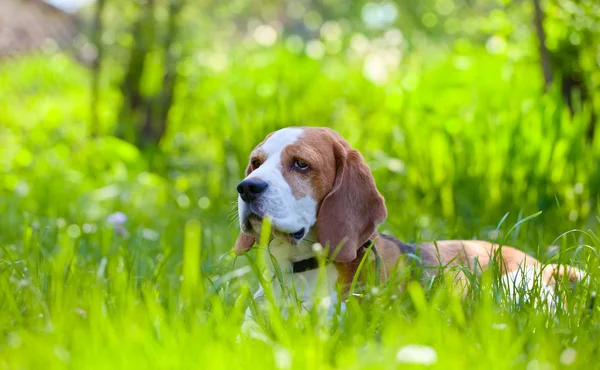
x: 350, y: 213
x: 315, y: 147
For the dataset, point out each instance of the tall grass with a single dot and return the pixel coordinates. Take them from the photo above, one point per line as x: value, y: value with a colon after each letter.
x: 457, y: 154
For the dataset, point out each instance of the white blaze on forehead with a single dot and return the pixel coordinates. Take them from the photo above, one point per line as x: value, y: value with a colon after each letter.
x: 273, y: 148
x: 289, y: 214
x: 280, y: 139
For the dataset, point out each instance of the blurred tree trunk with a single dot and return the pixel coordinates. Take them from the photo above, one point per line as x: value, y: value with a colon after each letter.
x: 158, y: 107
x: 144, y: 116
x: 564, y: 61
x: 543, y: 49
x: 574, y: 88
x: 97, y: 30
x: 133, y: 101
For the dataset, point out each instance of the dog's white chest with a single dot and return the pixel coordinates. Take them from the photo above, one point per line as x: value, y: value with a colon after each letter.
x: 305, y: 289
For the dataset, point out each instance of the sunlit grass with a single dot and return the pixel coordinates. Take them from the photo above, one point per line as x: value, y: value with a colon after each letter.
x: 457, y: 154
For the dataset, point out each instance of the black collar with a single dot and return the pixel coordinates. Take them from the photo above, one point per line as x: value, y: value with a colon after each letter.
x: 312, y: 263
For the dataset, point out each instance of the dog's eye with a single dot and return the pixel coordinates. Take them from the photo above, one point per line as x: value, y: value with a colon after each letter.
x: 255, y: 164
x: 300, y: 164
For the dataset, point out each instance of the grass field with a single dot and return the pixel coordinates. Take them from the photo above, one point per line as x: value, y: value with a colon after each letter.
x: 461, y: 144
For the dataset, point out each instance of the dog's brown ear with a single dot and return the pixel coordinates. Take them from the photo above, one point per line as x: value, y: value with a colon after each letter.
x: 352, y: 210
x: 244, y: 242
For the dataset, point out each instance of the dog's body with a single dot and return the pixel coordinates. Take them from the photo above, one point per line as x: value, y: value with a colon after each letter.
x: 319, y: 193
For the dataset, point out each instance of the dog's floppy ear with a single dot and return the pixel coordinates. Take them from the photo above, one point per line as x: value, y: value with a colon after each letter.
x: 244, y: 242
x: 350, y: 213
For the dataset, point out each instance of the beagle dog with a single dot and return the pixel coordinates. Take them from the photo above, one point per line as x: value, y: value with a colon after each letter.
x: 320, y: 196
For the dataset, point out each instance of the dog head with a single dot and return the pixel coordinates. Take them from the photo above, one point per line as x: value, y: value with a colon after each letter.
x: 303, y: 178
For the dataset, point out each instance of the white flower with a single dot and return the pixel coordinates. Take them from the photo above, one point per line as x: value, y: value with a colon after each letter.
x: 417, y: 354
x: 117, y: 218
x: 568, y: 356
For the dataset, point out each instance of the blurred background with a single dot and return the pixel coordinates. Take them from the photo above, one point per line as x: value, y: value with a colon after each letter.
x: 121, y: 121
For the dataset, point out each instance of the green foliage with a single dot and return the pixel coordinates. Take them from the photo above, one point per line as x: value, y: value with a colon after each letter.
x: 456, y: 139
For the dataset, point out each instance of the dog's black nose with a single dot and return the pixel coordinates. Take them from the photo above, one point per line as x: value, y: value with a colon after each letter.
x: 251, y: 188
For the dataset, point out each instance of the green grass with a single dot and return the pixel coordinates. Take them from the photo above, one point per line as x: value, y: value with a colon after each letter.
x: 453, y: 151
